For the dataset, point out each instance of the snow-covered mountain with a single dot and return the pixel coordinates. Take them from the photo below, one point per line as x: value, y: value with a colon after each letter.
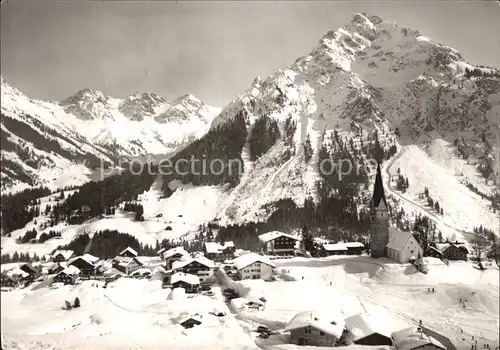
x: 58, y: 144
x: 367, y: 76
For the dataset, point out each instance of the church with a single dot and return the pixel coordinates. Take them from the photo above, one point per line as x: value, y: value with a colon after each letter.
x: 384, y: 240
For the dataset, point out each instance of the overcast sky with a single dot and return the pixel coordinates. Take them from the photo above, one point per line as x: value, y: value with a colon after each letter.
x: 213, y: 50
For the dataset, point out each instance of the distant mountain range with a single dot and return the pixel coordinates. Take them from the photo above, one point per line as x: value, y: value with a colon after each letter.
x: 58, y: 144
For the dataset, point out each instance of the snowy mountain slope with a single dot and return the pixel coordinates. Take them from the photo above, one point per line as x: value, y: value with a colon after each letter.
x: 43, y: 142
x: 370, y: 75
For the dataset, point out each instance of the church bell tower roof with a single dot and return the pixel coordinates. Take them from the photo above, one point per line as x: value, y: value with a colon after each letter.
x: 378, y: 190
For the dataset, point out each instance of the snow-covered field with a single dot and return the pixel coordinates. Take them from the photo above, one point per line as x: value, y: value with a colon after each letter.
x: 139, y: 314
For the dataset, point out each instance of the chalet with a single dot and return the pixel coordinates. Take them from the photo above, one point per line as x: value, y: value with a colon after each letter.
x: 189, y: 282
x: 62, y: 255
x: 453, y: 251
x: 87, y: 264
x: 9, y: 280
x: 56, y: 268
x: 278, y: 243
x: 127, y: 265
x: 334, y: 249
x: 32, y: 271
x: 317, y: 328
x: 414, y: 338
x: 191, y: 321
x: 67, y: 276
x: 403, y: 247
x: 200, y: 266
x: 364, y: 329
x: 354, y: 248
x: 128, y: 253
x: 219, y: 252
x: 172, y: 255
x: 254, y: 266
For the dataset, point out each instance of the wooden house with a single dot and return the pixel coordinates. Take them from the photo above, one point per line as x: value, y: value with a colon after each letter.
x: 414, y: 338
x: 32, y: 271
x: 127, y: 265
x: 364, y: 329
x: 200, y: 266
x: 87, y: 264
x: 278, y: 243
x: 189, y: 282
x: 191, y: 321
x: 128, y: 253
x: 10, y: 281
x: 334, y: 249
x: 57, y: 268
x: 219, y: 252
x: 453, y: 251
x: 172, y: 255
x: 317, y: 328
x: 62, y: 255
x: 354, y: 248
x: 254, y: 266
x: 67, y: 276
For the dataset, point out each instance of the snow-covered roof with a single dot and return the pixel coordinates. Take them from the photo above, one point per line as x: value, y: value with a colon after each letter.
x: 353, y: 244
x: 130, y: 250
x: 177, y: 250
x: 194, y: 317
x: 215, y: 247
x: 186, y: 277
x: 250, y: 258
x: 269, y: 236
x: 443, y: 246
x: 125, y: 261
x: 363, y: 325
x: 159, y: 269
x: 329, y: 322
x: 188, y: 260
x: 70, y: 271
x: 16, y: 272
x: 398, y: 239
x: 333, y: 247
x: 65, y: 253
x: 410, y: 338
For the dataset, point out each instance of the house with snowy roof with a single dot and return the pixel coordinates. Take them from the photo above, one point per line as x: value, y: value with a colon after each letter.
x: 199, y: 265
x: 317, y: 328
x: 128, y: 253
x: 219, y: 251
x: 191, y: 321
x: 126, y: 264
x: 67, y: 276
x: 172, y: 255
x: 414, y: 338
x: 189, y: 282
x: 452, y: 251
x: 365, y: 329
x: 334, y: 249
x: 87, y: 264
x: 62, y: 255
x: 278, y: 243
x: 254, y: 266
x: 403, y: 246
x: 13, y: 278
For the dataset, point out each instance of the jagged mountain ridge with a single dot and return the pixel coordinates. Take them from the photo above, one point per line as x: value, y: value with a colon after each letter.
x: 368, y: 75
x: 87, y: 129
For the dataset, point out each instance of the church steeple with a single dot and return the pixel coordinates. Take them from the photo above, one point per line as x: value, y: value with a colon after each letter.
x: 378, y: 190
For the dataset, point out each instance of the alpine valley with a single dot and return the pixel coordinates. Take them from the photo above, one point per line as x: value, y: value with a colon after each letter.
x: 369, y: 90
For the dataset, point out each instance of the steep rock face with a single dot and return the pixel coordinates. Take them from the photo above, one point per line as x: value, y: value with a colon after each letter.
x: 368, y: 76
x: 61, y: 144
x: 141, y: 105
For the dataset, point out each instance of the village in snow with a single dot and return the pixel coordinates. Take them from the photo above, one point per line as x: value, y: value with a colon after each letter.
x: 393, y: 296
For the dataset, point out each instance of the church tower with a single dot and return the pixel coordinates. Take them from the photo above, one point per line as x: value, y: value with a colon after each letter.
x: 379, y: 235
